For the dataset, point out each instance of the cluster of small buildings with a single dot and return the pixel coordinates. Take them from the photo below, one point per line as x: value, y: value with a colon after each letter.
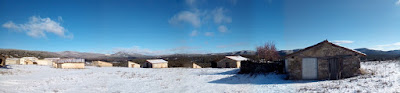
x: 324, y: 60
x: 68, y: 63
x: 73, y: 63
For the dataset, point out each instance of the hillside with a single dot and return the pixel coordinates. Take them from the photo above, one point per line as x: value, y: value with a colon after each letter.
x: 14, y: 53
x: 379, y: 54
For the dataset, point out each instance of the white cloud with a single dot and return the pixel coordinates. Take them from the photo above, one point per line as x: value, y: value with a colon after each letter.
x: 145, y: 51
x: 387, y: 47
x: 192, y: 18
x: 38, y: 27
x: 222, y: 28
x: 196, y: 18
x: 220, y: 17
x: 209, y: 34
x: 232, y: 45
x: 10, y: 25
x: 234, y: 2
x: 398, y: 2
x: 187, y: 50
x: 194, y: 33
x: 191, y: 2
x: 342, y: 42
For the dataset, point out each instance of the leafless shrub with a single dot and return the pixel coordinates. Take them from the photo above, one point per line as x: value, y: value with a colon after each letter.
x: 268, y: 52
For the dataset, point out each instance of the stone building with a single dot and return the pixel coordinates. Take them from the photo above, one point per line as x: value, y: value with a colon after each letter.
x: 12, y: 61
x: 155, y: 63
x: 323, y: 61
x: 70, y: 63
x: 231, y: 62
x: 42, y: 62
x: 27, y: 60
x: 192, y: 65
x: 102, y: 64
x: 129, y: 64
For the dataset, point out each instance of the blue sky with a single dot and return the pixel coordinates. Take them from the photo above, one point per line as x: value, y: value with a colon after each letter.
x: 156, y: 27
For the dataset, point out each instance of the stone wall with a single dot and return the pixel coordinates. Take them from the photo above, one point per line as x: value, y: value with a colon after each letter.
x: 71, y: 65
x: 159, y: 65
x: 12, y: 61
x: 351, y: 67
x: 249, y: 67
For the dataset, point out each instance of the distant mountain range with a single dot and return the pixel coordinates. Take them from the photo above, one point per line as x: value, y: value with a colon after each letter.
x: 379, y: 54
x: 372, y: 54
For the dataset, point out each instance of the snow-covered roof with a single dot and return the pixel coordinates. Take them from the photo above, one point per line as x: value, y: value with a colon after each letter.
x: 238, y: 58
x: 70, y: 61
x: 12, y: 59
x: 156, y: 61
x: 51, y: 58
x: 29, y: 58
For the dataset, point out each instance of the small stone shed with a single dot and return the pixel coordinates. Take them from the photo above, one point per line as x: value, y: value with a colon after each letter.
x: 155, y: 63
x: 70, y: 63
x: 192, y: 65
x: 101, y: 64
x: 12, y: 61
x: 52, y: 61
x: 323, y: 61
x: 130, y: 64
x: 231, y: 62
x: 42, y: 62
x: 27, y: 60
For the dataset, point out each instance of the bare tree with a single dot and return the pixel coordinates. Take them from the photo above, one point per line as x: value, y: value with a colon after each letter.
x: 268, y: 52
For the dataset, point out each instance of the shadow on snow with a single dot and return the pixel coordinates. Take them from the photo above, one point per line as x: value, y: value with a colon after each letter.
x: 6, y: 67
x: 268, y: 78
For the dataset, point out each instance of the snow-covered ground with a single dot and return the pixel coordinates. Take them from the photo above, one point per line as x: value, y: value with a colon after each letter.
x: 383, y: 77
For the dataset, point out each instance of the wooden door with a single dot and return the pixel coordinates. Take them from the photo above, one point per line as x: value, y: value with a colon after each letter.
x: 334, y: 68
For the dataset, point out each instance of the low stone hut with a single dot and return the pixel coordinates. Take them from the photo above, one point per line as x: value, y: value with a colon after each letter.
x: 156, y: 63
x: 70, y: 63
x: 52, y: 61
x: 101, y: 64
x: 192, y: 65
x: 323, y: 61
x: 130, y: 64
x: 12, y: 61
x: 42, y: 62
x: 231, y: 62
x: 27, y: 60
